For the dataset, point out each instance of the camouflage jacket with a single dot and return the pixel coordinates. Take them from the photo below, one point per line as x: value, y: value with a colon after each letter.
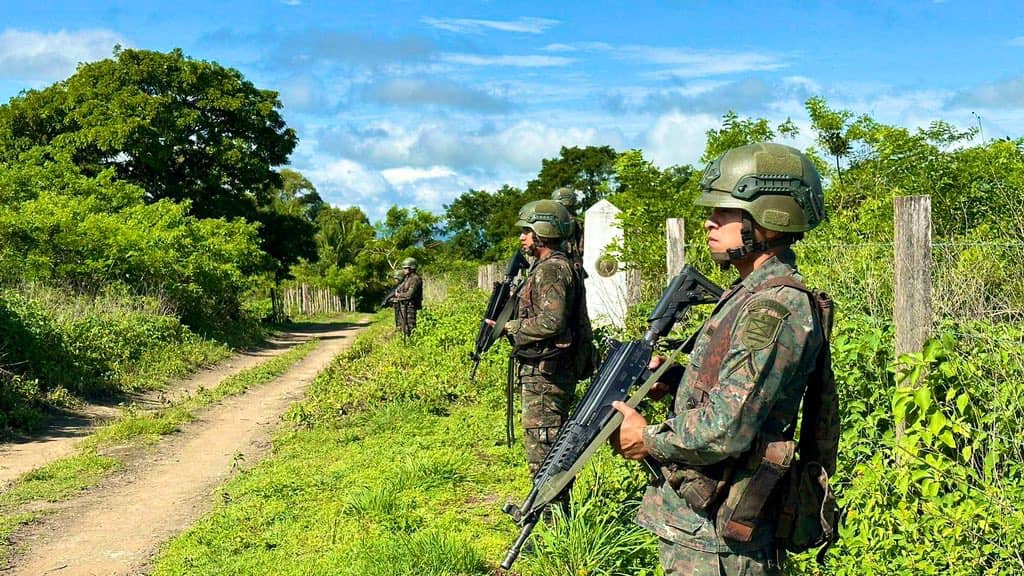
x: 772, y: 347
x: 411, y: 290
x: 545, y: 303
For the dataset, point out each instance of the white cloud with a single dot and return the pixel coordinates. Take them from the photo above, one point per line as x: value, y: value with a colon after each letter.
x: 303, y: 92
x: 685, y: 63
x: 408, y: 174
x: 344, y: 181
x: 476, y: 26
x: 524, y: 61
x: 678, y: 138
x: 53, y: 56
x: 1003, y: 94
x: 1018, y: 41
x: 578, y: 47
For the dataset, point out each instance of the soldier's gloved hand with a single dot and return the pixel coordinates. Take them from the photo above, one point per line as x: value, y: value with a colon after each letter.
x: 628, y: 440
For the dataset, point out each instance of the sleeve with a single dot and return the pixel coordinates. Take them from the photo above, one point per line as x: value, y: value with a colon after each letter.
x: 551, y: 304
x: 766, y: 352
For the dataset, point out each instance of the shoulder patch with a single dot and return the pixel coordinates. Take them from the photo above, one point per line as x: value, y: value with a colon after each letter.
x: 761, y: 323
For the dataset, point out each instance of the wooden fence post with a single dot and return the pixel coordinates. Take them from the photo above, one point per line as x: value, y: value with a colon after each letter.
x: 675, y: 247
x: 912, y: 255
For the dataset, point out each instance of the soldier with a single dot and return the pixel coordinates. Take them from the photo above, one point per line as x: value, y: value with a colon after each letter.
x: 574, y: 243
x: 542, y: 334
x: 747, y: 371
x: 409, y: 295
x: 399, y: 276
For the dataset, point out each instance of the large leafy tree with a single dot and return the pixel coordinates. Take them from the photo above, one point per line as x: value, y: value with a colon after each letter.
x: 288, y: 222
x: 588, y: 170
x: 479, y: 223
x: 179, y: 128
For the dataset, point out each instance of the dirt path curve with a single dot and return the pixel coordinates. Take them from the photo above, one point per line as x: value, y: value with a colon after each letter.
x: 115, y: 528
x: 60, y: 438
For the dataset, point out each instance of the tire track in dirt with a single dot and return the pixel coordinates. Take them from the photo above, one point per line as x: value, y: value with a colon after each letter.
x: 63, y: 434
x: 115, y: 528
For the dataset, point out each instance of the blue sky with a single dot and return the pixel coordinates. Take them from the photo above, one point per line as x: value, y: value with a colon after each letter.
x: 413, y: 103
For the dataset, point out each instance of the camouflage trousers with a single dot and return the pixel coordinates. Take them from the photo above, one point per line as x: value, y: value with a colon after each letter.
x: 678, y: 560
x: 549, y: 387
x: 405, y: 317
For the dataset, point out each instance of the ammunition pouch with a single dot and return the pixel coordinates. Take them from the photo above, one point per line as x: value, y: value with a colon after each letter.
x: 749, y: 496
x: 702, y: 487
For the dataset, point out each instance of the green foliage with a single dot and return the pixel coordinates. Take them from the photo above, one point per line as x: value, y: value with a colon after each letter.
x: 647, y: 198
x: 178, y: 128
x: 92, y: 345
x: 737, y: 131
x: 480, y: 223
x: 945, y: 497
x: 589, y: 170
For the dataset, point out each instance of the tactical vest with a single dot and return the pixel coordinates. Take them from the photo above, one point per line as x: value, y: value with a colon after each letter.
x: 549, y: 347
x: 737, y: 491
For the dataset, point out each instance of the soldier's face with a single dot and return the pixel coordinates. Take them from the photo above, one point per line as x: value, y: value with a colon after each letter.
x: 725, y: 229
x: 406, y: 271
x: 528, y: 242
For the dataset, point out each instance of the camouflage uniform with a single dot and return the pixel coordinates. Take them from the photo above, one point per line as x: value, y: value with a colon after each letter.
x: 409, y: 297
x: 541, y: 336
x: 761, y: 366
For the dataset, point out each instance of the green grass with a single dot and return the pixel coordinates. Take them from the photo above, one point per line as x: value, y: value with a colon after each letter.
x: 397, y: 465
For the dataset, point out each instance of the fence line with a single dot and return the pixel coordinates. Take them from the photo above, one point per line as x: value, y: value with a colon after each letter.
x: 306, y: 300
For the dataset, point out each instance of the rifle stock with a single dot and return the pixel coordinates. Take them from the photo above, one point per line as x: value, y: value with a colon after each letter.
x: 499, y: 309
x: 622, y: 376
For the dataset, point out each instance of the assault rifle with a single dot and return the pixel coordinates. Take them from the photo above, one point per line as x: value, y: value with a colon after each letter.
x: 391, y: 296
x: 499, y: 309
x: 622, y: 376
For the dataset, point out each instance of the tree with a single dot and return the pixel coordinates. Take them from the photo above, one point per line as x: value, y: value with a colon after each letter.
x: 297, y: 196
x: 179, y: 128
x: 288, y: 223
x: 587, y: 170
x: 837, y: 130
x: 737, y: 131
x: 341, y: 235
x: 479, y: 223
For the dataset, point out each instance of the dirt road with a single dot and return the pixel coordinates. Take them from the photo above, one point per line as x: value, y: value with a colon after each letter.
x: 116, y: 527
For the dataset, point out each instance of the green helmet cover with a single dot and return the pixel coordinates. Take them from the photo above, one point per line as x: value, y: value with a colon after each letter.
x: 409, y: 262
x: 547, y: 219
x: 776, y: 184
x: 398, y: 275
x: 565, y: 196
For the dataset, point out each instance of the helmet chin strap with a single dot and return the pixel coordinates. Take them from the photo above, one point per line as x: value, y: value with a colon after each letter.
x: 750, y: 245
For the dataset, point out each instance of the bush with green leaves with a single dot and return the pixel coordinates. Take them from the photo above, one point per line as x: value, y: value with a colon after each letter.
x: 58, y: 346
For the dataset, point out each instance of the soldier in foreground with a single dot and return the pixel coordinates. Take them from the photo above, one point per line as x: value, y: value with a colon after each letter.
x: 542, y: 333
x: 409, y: 295
x: 747, y: 372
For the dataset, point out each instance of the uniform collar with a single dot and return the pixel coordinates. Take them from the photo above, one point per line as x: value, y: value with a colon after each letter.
x: 782, y: 264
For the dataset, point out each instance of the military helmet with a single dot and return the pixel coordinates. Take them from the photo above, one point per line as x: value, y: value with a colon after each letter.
x: 398, y: 275
x: 776, y: 184
x: 565, y: 196
x: 547, y: 219
x: 409, y: 262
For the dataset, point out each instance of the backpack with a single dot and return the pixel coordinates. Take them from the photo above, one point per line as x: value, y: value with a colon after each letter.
x: 584, y: 351
x: 806, y: 508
